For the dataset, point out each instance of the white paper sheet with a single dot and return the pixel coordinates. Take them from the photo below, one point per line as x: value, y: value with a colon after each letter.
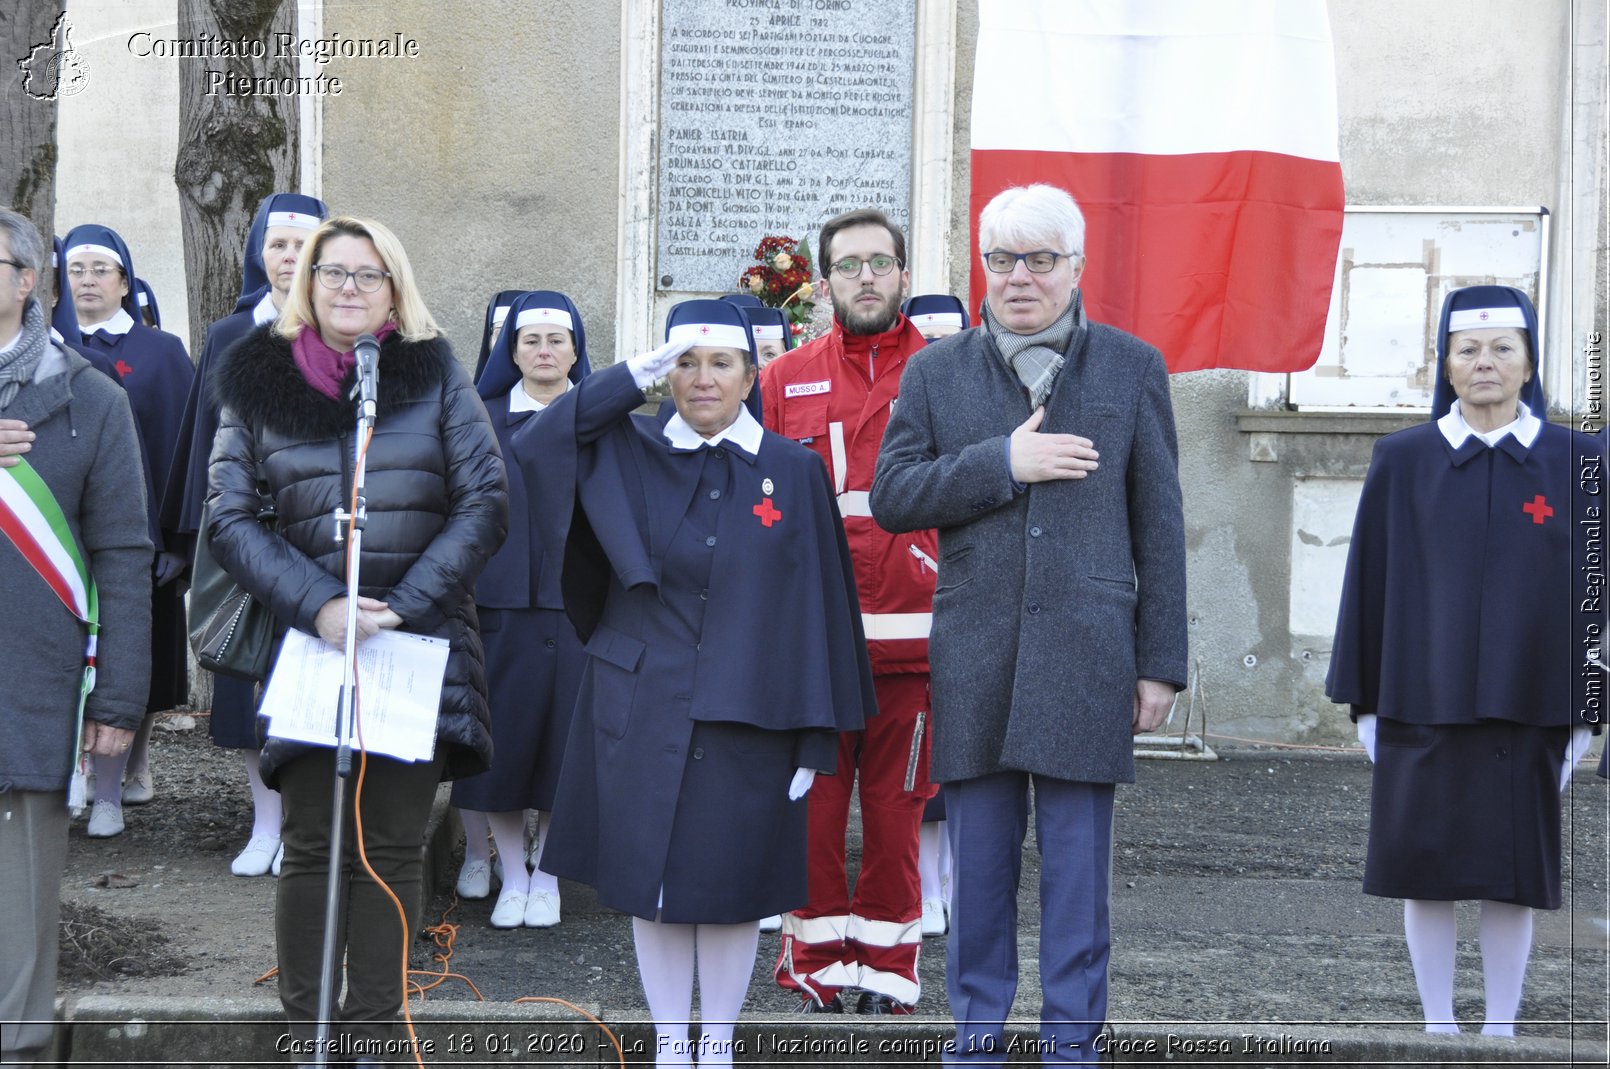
x: 399, y: 689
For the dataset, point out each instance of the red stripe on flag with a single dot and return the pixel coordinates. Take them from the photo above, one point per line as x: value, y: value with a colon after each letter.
x: 36, y: 556
x: 1218, y: 259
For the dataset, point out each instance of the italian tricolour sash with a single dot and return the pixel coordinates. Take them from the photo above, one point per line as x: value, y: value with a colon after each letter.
x: 33, y: 521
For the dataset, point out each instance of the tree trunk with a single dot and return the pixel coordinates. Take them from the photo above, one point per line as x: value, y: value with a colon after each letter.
x: 33, y: 37
x: 234, y: 149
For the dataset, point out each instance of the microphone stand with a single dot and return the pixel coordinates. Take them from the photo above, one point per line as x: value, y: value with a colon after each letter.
x: 363, y: 392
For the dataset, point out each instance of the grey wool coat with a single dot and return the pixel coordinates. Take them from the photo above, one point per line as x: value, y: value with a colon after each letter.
x: 87, y: 453
x: 1052, y: 600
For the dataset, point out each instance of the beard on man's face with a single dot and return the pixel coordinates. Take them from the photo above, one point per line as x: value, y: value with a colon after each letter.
x: 868, y: 318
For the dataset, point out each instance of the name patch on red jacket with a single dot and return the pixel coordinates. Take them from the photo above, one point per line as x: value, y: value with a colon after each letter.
x: 806, y: 389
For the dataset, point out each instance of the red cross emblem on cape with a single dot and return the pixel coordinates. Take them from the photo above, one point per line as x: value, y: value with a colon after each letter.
x: 767, y: 513
x: 122, y: 369
x: 1538, y: 508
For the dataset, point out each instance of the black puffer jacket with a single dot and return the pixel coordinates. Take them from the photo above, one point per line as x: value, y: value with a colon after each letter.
x: 437, y: 504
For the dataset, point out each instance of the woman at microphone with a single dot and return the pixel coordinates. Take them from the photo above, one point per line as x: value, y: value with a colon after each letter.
x: 437, y: 509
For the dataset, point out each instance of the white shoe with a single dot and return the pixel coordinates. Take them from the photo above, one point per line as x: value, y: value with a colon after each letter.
x: 137, y: 788
x: 541, y: 909
x: 934, y: 921
x: 474, y: 880
x: 773, y: 923
x: 510, y: 909
x: 257, y: 858
x: 279, y: 859
x: 105, y: 820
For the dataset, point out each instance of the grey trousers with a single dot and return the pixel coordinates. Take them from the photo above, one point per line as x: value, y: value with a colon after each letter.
x: 33, y: 855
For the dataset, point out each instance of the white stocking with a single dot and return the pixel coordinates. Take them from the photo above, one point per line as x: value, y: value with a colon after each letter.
x: 726, y: 962
x: 508, y: 831
x: 1506, y: 943
x: 109, y: 777
x: 265, y: 799
x: 665, y: 962
x: 476, y: 830
x: 928, y: 839
x: 1430, y: 930
x: 140, y: 749
x: 541, y: 881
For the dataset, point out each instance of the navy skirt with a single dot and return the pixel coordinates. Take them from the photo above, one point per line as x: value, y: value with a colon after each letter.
x: 1466, y: 811
x: 533, y: 670
x: 233, y: 724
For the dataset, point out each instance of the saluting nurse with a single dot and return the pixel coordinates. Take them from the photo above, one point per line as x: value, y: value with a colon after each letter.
x: 705, y: 710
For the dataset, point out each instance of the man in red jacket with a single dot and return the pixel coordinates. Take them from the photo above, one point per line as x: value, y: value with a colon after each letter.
x: 834, y: 395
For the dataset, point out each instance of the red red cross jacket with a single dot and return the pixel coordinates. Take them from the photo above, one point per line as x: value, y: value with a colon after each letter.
x: 834, y: 395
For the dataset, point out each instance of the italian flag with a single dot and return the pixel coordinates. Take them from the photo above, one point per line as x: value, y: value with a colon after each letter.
x: 32, y: 521
x: 1199, y: 138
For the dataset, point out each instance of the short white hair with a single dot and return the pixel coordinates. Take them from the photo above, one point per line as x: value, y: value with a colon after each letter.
x: 1027, y: 217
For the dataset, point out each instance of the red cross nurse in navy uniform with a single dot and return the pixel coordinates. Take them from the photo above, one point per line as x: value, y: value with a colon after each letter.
x: 1457, y: 649
x: 706, y: 706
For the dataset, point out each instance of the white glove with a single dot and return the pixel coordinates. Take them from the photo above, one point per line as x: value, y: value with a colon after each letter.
x: 649, y: 368
x: 1581, y: 737
x: 1366, y: 735
x: 803, y: 778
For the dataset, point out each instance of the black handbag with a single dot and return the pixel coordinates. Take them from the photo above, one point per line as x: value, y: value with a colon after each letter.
x: 231, y: 632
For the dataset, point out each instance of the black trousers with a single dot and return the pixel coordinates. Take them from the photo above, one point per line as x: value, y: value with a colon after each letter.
x: 395, y: 806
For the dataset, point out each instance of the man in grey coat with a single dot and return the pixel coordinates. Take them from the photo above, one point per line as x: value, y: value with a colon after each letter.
x: 74, y: 428
x: 1042, y: 447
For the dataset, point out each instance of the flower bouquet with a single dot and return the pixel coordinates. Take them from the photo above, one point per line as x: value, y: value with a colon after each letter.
x: 781, y: 278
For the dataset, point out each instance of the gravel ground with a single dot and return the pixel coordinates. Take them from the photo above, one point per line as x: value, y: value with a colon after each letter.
x: 1235, y: 900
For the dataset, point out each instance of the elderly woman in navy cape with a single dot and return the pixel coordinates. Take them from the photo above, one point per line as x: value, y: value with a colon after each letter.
x: 705, y: 711
x: 1458, y: 650
x: 273, y: 245
x: 533, y: 657
x: 156, y: 372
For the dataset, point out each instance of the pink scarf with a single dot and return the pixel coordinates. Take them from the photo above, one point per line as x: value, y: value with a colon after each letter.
x: 324, y: 368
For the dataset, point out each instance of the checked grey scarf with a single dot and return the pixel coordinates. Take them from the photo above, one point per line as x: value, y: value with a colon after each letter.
x: 18, y: 363
x: 1036, y: 358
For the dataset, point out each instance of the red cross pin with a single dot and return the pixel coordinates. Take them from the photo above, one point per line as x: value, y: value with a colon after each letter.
x: 122, y: 369
x: 1483, y: 315
x: 1538, y: 509
x: 768, y: 515
x: 704, y: 330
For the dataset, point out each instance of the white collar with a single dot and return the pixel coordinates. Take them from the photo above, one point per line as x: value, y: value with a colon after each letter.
x: 520, y: 401
x: 1525, y: 427
x: 121, y: 323
x: 743, y: 432
x: 264, y: 311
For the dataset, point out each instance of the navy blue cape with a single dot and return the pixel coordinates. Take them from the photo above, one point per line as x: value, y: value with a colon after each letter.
x: 1473, y: 578
x: 782, y: 645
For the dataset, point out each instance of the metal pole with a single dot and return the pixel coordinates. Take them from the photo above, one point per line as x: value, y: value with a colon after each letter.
x: 344, y: 730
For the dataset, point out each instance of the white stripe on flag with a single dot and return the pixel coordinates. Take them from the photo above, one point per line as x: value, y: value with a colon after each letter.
x: 1159, y: 77
x: 17, y: 499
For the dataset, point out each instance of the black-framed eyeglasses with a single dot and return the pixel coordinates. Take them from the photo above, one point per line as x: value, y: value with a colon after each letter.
x: 1039, y: 262
x: 334, y: 277
x: 78, y: 271
x: 850, y: 266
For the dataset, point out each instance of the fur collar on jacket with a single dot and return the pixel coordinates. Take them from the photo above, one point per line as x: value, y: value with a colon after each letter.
x: 258, y: 380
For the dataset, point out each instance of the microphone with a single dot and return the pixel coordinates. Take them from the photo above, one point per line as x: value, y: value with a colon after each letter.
x: 364, y: 391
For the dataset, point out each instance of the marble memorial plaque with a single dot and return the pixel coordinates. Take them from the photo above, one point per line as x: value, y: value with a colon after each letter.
x: 776, y: 115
